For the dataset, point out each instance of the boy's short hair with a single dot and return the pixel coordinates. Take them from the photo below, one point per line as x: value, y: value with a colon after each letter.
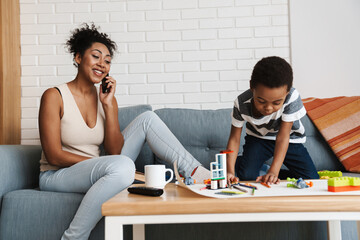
x: 272, y: 72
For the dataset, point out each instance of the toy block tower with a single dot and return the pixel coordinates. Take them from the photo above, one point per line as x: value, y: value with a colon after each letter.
x: 218, y: 171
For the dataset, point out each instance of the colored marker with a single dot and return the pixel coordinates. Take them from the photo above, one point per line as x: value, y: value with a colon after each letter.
x: 245, y: 185
x: 248, y: 184
x: 229, y: 192
x: 239, y: 188
x: 253, y: 191
x: 226, y: 151
x: 264, y: 184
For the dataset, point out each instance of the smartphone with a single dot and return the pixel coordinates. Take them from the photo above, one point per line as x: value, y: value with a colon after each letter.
x: 105, y: 85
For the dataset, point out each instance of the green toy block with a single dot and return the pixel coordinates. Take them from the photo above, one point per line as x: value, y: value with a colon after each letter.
x: 216, y: 179
x: 330, y: 173
x: 344, y: 181
x: 291, y: 179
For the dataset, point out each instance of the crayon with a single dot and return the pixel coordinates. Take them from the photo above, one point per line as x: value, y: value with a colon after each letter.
x: 229, y: 192
x: 247, y: 185
x: 239, y: 188
x: 264, y: 184
x: 251, y: 185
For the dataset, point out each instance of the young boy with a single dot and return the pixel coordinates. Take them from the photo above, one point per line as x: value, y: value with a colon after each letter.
x: 272, y: 109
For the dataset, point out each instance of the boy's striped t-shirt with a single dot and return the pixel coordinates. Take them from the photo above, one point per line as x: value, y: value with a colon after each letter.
x: 267, y: 127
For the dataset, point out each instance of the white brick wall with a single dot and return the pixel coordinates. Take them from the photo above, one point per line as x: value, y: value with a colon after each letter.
x: 189, y: 54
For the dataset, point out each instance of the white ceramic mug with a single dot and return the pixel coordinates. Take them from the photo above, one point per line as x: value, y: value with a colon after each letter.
x: 155, y: 176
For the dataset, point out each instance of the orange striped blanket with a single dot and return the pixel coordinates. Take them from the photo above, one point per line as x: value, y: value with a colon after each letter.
x: 338, y: 120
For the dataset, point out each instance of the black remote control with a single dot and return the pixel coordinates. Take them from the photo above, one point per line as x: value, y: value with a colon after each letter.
x: 155, y: 192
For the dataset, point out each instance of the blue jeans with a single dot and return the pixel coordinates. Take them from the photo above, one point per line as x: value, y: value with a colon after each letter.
x: 257, y: 151
x: 102, y: 177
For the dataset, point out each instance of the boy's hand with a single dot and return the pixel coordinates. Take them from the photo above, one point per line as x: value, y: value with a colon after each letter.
x: 231, y: 178
x: 268, y: 178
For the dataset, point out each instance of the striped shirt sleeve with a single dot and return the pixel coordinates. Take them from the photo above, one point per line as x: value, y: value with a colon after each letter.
x: 293, y: 107
x: 237, y: 120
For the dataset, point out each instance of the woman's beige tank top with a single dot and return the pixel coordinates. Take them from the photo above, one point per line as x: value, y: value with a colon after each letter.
x: 76, y: 136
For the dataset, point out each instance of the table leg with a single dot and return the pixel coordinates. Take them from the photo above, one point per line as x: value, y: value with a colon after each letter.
x: 334, y: 230
x: 358, y: 228
x: 139, y: 232
x: 113, y: 229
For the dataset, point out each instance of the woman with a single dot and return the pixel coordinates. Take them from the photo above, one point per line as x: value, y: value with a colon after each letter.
x: 76, y: 117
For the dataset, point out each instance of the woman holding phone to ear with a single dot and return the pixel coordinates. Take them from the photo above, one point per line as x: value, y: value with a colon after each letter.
x: 75, y: 118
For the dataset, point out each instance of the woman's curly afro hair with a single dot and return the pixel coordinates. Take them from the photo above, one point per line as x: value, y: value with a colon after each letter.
x: 82, y: 38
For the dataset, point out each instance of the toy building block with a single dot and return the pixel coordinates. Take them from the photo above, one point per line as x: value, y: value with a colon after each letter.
x: 189, y: 181
x: 222, y: 183
x: 343, y: 184
x: 207, y: 181
x: 298, y: 183
x: 218, y: 171
x: 214, y: 184
x: 329, y: 174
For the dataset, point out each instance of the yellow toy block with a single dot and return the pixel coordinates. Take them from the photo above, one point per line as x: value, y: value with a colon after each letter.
x: 344, y: 181
x: 329, y: 174
x: 342, y: 184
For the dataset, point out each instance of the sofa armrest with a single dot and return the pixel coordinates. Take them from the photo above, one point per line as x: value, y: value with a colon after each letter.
x: 19, y: 167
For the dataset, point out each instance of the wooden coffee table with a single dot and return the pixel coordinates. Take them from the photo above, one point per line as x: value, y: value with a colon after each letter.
x: 178, y: 205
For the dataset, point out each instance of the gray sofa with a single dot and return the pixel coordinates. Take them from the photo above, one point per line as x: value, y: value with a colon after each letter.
x: 30, y: 214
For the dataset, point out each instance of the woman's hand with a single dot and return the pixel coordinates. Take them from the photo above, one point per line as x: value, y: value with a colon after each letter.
x: 268, y: 178
x: 113, y: 140
x: 107, y: 98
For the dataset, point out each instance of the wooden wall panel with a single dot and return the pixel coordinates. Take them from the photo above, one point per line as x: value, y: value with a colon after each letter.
x: 10, y: 71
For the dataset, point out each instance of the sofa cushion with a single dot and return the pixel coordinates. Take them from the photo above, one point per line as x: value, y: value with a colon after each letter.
x: 127, y: 114
x: 19, y: 167
x: 40, y: 215
x: 338, y: 120
x: 202, y: 132
x: 319, y: 150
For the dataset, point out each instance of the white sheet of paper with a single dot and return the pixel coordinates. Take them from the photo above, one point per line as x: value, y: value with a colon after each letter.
x: 319, y: 188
